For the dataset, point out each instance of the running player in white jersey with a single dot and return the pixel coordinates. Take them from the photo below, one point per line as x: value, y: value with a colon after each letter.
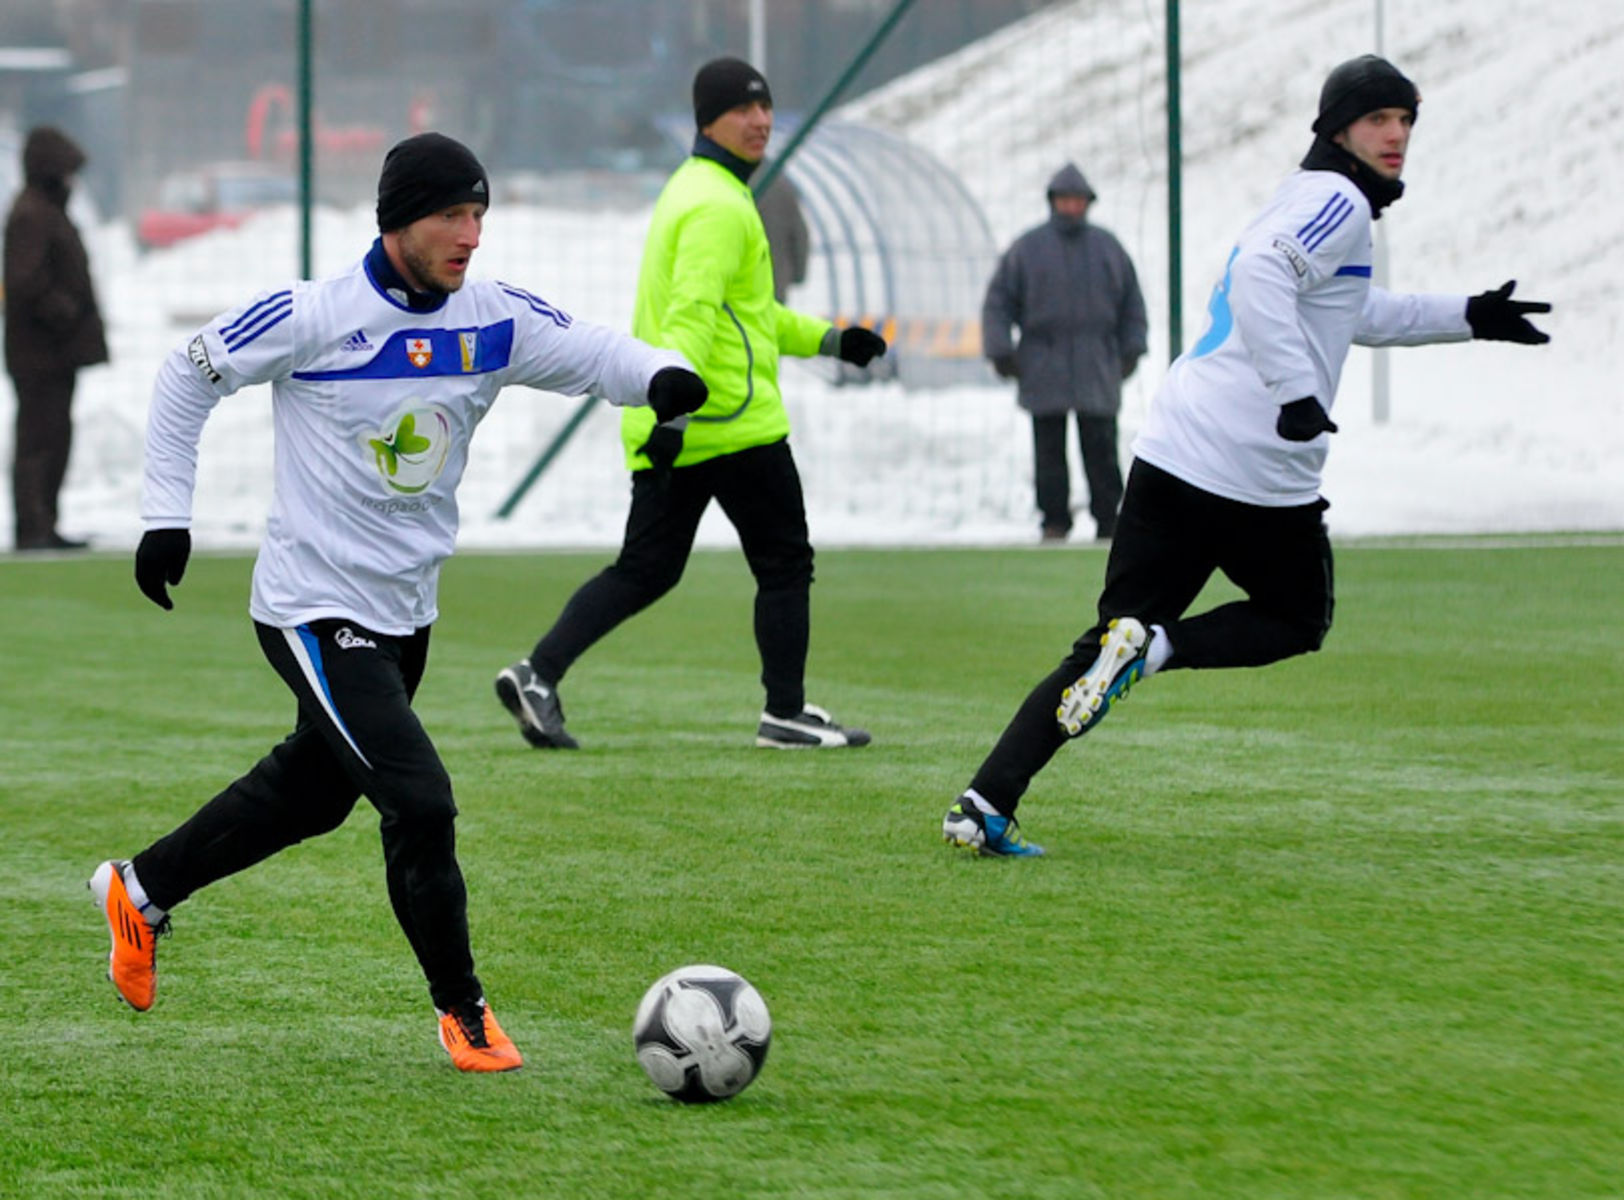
x: 378, y: 377
x: 1226, y: 470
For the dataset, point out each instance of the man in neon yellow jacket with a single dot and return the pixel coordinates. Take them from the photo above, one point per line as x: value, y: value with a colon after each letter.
x: 706, y: 290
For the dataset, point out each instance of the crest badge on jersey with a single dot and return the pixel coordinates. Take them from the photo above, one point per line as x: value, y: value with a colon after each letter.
x: 419, y: 352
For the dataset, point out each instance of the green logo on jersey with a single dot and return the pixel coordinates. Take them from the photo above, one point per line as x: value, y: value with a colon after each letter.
x: 410, y: 451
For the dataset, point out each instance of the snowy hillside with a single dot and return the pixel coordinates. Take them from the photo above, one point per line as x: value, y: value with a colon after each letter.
x: 1518, y: 148
x: 1520, y: 140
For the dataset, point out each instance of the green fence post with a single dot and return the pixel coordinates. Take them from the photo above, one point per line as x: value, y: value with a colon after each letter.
x: 1175, y: 192
x: 306, y: 125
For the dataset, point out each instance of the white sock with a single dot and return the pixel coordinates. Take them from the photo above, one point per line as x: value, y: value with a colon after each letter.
x: 980, y: 801
x: 1159, y: 650
x: 138, y: 897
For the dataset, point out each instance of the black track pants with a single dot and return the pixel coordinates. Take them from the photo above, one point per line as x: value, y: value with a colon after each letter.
x: 1171, y: 538
x: 759, y: 490
x: 356, y: 735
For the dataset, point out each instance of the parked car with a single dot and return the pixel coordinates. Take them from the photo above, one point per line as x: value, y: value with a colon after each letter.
x: 218, y: 196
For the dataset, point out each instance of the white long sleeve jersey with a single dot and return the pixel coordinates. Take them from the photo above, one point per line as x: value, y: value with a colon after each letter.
x: 373, y: 405
x: 1295, y: 295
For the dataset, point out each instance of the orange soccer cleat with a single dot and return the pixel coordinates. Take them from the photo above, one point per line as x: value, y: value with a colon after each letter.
x: 132, y: 964
x: 475, y: 1041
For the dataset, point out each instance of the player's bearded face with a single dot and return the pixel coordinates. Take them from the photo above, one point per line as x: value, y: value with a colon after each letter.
x: 436, y: 249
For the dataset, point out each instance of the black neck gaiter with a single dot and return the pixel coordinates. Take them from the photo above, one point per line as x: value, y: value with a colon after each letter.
x: 1326, y: 155
x: 705, y: 148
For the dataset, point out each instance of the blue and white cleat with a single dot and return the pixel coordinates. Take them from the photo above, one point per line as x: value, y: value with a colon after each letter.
x: 988, y: 834
x: 1120, y: 665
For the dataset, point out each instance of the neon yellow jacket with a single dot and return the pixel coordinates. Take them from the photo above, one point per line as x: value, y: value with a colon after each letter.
x: 706, y: 290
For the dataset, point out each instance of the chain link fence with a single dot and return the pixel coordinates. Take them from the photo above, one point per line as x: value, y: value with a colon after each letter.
x: 935, y: 159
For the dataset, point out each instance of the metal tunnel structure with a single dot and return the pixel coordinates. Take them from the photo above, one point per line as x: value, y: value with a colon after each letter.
x: 899, y: 245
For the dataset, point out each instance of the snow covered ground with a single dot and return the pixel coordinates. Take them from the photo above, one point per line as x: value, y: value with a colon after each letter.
x: 1520, y: 141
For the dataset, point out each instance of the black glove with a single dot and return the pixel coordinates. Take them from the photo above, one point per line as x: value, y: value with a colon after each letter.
x: 1496, y: 317
x: 159, y: 559
x: 675, y: 392
x: 663, y: 445
x: 860, y: 346
x: 1005, y: 366
x: 1303, y: 420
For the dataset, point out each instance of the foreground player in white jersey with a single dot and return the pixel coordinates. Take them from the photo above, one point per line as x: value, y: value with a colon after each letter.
x: 379, y: 376
x: 1226, y: 471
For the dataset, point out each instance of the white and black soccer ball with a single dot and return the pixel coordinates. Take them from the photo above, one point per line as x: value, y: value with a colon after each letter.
x: 702, y: 1033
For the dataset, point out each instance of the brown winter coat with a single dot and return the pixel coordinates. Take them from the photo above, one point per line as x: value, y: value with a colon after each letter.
x: 52, y: 322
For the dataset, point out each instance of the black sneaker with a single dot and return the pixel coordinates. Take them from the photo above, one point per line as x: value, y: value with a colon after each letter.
x: 811, y: 729
x: 535, y: 706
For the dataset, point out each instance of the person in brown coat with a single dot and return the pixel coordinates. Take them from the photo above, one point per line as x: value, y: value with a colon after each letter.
x: 53, y: 327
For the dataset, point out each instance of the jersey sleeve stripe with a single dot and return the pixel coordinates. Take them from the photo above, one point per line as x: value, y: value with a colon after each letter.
x: 253, y: 311
x: 557, y: 316
x: 1327, y: 223
x: 244, y: 331
x: 1325, y: 211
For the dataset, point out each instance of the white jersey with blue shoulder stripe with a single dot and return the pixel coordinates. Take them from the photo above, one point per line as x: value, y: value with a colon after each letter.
x: 1295, y: 294
x: 373, y: 404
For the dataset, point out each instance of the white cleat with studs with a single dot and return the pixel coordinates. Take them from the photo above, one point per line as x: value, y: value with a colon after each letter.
x: 1120, y: 665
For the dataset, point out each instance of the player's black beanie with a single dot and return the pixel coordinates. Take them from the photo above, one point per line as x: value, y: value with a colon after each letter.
x: 425, y: 174
x: 725, y: 83
x: 1359, y: 86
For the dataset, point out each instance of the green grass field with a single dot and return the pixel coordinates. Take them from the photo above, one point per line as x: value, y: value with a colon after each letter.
x: 1349, y: 926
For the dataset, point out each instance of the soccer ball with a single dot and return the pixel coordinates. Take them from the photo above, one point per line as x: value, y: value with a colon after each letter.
x: 702, y: 1033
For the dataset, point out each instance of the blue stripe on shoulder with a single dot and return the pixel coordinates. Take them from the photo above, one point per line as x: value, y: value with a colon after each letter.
x: 419, y: 353
x: 1302, y: 233
x: 1329, y: 224
x: 1350, y: 269
x: 254, y: 310
x: 265, y: 315
x: 556, y: 315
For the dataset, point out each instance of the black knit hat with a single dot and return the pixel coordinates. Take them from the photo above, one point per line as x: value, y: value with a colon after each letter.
x: 425, y: 174
x: 1359, y: 86
x: 725, y: 83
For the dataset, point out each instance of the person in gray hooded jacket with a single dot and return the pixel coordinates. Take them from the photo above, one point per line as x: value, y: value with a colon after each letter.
x: 1071, y: 291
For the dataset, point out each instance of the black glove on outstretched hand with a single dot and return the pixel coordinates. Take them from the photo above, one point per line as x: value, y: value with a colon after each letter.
x: 675, y: 392
x: 1303, y: 420
x: 160, y: 559
x: 663, y: 445
x: 1005, y: 366
x: 860, y: 346
x: 1496, y: 317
